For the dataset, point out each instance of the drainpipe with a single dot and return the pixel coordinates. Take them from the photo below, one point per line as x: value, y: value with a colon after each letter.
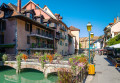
x: 16, y: 45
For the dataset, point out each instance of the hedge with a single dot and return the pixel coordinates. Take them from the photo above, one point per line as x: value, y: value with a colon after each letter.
x: 114, y: 40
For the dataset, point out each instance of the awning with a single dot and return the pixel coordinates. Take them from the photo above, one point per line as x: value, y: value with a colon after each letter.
x: 115, y: 46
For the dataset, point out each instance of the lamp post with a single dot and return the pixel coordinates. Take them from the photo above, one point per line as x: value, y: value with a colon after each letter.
x: 89, y: 27
x: 92, y: 35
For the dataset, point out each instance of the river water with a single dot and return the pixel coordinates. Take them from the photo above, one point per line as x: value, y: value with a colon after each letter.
x: 8, y: 75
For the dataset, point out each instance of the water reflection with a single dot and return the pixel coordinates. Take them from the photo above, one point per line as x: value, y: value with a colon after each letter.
x: 27, y: 76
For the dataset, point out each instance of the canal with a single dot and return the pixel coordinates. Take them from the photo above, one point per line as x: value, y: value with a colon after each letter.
x: 8, y: 75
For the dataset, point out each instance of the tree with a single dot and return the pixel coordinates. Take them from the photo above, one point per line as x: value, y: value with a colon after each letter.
x: 114, y: 40
x: 80, y: 45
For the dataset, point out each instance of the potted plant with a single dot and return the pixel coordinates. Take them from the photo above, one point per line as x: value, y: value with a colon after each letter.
x: 33, y: 45
x: 39, y: 45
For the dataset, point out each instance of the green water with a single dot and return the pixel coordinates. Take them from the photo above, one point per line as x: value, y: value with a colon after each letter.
x: 8, y: 75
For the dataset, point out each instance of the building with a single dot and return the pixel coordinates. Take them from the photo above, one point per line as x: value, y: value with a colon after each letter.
x: 24, y: 31
x: 115, y: 28
x: 73, y: 40
x: 33, y: 29
x: 111, y: 30
x: 98, y: 44
x: 84, y: 41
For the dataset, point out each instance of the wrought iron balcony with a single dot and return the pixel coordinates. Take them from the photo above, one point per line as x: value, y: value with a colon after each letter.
x: 62, y: 37
x: 62, y: 28
x: 42, y: 35
x: 41, y: 46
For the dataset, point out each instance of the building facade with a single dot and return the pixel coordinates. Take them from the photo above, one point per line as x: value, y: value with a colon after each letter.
x: 33, y: 29
x: 84, y: 41
x: 111, y: 30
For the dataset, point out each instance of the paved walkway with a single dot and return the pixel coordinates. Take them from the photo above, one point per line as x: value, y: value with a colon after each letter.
x: 105, y: 71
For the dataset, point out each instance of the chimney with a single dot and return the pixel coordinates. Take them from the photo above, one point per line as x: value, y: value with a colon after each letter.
x: 57, y: 15
x: 38, y: 4
x: 117, y: 18
x: 60, y: 18
x: 19, y: 6
x: 114, y: 20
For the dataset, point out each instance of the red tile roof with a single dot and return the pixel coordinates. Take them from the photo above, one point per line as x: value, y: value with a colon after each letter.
x: 72, y: 28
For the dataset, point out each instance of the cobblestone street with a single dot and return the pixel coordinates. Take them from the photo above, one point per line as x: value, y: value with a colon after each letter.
x: 105, y: 71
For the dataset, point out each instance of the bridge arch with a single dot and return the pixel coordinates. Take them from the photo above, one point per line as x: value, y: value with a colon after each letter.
x: 36, y: 67
x: 11, y: 65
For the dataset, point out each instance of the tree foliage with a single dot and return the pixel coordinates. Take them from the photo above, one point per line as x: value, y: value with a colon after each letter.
x: 80, y: 45
x: 113, y: 41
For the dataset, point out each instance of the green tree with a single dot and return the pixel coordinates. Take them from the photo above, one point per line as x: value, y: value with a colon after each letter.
x: 113, y: 41
x: 80, y: 45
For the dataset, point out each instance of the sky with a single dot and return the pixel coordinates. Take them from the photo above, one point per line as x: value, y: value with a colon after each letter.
x: 78, y: 13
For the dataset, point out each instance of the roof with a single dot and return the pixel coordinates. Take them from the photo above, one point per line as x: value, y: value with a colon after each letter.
x: 63, y: 24
x: 5, y: 6
x: 14, y: 7
x: 86, y: 38
x: 37, y: 6
x: 72, y: 28
x: 83, y: 38
x: 50, y: 13
x: 18, y: 15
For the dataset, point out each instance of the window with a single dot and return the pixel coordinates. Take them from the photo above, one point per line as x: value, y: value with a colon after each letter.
x: 41, y: 20
x: 2, y: 39
x: 31, y: 16
x: 66, y: 44
x: 37, y: 7
x: 2, y: 26
x: 27, y: 26
x: 61, y: 43
x: 38, y: 31
x: 7, y: 13
x: 47, y: 24
x: 28, y: 40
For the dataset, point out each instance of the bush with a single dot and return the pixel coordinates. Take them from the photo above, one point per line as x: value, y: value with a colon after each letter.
x: 4, y: 57
x: 113, y: 41
x: 64, y: 76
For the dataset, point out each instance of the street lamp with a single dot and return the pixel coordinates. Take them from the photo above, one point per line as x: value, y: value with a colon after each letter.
x: 92, y: 35
x: 89, y: 27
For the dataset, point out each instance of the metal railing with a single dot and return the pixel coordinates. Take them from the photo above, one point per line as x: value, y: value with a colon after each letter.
x: 42, y: 34
x: 62, y: 37
x: 41, y: 45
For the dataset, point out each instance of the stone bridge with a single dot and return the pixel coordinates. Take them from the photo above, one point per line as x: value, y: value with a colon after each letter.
x: 48, y: 68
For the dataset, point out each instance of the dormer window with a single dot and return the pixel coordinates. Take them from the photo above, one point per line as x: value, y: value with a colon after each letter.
x: 31, y: 16
x: 37, y: 7
x: 41, y: 20
x: 47, y: 24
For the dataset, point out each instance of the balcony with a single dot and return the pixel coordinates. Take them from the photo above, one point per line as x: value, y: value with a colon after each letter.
x: 53, y: 25
x: 42, y: 35
x: 41, y: 46
x: 62, y: 37
x: 62, y: 28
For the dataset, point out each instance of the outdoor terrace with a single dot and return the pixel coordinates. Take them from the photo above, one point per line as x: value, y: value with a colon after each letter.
x: 41, y: 46
x: 42, y: 35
